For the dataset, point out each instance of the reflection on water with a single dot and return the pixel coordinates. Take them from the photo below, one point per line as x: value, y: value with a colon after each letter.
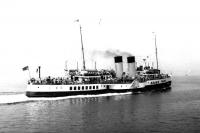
x: 93, y: 114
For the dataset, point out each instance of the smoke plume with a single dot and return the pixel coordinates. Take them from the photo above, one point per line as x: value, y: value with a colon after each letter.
x: 110, y: 53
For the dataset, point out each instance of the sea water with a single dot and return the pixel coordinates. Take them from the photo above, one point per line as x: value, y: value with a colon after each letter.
x: 175, y: 110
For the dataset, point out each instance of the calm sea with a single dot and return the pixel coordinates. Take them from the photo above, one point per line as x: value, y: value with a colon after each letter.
x: 176, y: 110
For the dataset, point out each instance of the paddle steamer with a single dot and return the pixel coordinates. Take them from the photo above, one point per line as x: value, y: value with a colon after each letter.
x: 95, y: 81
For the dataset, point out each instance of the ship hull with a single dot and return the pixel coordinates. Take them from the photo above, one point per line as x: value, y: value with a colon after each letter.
x: 74, y: 93
x: 64, y: 90
x: 64, y: 93
x: 69, y: 90
x: 156, y: 87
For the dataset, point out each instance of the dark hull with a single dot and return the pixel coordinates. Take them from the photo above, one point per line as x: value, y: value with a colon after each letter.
x: 73, y: 93
x: 64, y: 93
x: 157, y: 87
x: 120, y: 91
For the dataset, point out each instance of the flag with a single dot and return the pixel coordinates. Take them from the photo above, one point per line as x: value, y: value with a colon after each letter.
x: 76, y: 20
x: 100, y: 21
x: 37, y: 70
x: 25, y: 68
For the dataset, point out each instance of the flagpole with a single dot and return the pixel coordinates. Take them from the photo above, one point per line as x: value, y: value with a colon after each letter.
x: 29, y: 74
x: 39, y: 72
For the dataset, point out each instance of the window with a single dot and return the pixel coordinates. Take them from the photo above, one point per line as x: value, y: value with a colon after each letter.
x: 82, y: 87
x: 86, y: 87
x: 90, y: 87
x: 74, y: 87
x: 97, y: 87
x: 70, y: 88
x: 93, y: 87
x: 79, y: 87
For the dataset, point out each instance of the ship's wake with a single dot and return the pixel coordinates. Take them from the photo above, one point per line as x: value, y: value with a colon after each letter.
x: 13, y: 98
x: 22, y: 98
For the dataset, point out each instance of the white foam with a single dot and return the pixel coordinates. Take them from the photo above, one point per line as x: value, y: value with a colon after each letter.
x: 79, y: 96
x: 15, y: 98
x: 18, y: 98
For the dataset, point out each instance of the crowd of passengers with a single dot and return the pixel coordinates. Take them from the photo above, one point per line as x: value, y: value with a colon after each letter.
x: 144, y: 78
x: 49, y: 81
x: 64, y: 81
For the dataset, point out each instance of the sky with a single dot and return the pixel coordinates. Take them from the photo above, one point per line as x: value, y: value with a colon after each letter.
x: 44, y: 33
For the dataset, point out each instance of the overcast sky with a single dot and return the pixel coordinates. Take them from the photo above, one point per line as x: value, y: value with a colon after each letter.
x: 43, y: 32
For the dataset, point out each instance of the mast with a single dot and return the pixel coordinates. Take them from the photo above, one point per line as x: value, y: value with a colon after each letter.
x: 156, y: 50
x: 77, y: 65
x: 95, y: 65
x: 82, y: 48
x: 66, y: 68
